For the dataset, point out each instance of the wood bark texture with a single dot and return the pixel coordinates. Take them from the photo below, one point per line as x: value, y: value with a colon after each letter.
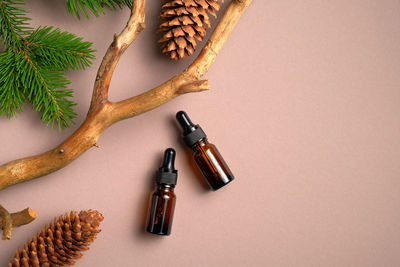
x: 10, y: 220
x: 103, y: 113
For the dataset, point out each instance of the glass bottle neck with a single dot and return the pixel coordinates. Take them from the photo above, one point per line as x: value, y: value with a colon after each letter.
x: 165, y: 187
x: 201, y: 142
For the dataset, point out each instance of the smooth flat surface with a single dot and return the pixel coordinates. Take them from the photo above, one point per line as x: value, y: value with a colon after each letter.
x: 305, y: 108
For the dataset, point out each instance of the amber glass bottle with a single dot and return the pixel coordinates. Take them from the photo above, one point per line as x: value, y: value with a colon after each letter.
x: 206, y: 155
x: 162, y: 200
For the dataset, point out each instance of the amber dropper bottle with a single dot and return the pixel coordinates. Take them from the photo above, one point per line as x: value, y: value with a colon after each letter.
x: 206, y: 155
x: 162, y: 200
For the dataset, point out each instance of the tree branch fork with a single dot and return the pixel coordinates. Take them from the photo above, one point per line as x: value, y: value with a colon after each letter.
x: 103, y: 113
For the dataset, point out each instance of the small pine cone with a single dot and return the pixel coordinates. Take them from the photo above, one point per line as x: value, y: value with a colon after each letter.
x: 61, y: 242
x: 185, y: 21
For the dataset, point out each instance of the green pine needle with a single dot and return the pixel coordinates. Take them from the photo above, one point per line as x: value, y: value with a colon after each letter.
x: 22, y: 77
x: 34, y: 62
x: 35, y: 71
x: 76, y: 7
x: 46, y: 90
x: 11, y: 93
x: 13, y: 22
x: 59, y: 50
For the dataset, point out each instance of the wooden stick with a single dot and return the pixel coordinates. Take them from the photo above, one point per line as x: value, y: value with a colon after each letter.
x: 103, y: 113
x: 8, y: 221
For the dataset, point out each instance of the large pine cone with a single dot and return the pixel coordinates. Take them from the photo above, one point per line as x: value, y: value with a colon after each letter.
x: 61, y: 242
x: 185, y: 21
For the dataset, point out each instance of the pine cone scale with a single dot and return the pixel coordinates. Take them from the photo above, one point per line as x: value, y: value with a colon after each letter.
x: 187, y: 20
x: 60, y: 243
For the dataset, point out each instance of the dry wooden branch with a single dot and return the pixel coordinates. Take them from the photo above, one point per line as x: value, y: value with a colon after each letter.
x: 8, y: 221
x: 103, y: 113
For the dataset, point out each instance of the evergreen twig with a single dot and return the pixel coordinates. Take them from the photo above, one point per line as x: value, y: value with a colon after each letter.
x: 34, y: 63
x: 22, y: 77
x: 59, y: 50
x: 76, y: 7
x: 13, y: 22
x: 46, y: 90
x: 11, y: 95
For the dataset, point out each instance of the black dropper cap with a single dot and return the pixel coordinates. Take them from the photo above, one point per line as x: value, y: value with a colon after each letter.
x: 191, y: 133
x: 166, y: 173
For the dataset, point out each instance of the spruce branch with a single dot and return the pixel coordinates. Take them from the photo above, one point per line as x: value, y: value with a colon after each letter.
x: 13, y: 22
x: 33, y: 66
x: 12, y: 96
x: 23, y: 77
x: 46, y: 90
x: 76, y: 7
x: 59, y: 50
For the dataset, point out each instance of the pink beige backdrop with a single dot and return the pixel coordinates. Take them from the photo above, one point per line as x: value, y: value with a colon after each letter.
x: 304, y: 106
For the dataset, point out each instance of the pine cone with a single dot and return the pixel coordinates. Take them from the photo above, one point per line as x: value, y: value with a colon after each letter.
x: 61, y: 242
x: 185, y: 21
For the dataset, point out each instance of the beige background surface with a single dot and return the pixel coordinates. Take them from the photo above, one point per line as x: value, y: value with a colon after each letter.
x: 305, y: 108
